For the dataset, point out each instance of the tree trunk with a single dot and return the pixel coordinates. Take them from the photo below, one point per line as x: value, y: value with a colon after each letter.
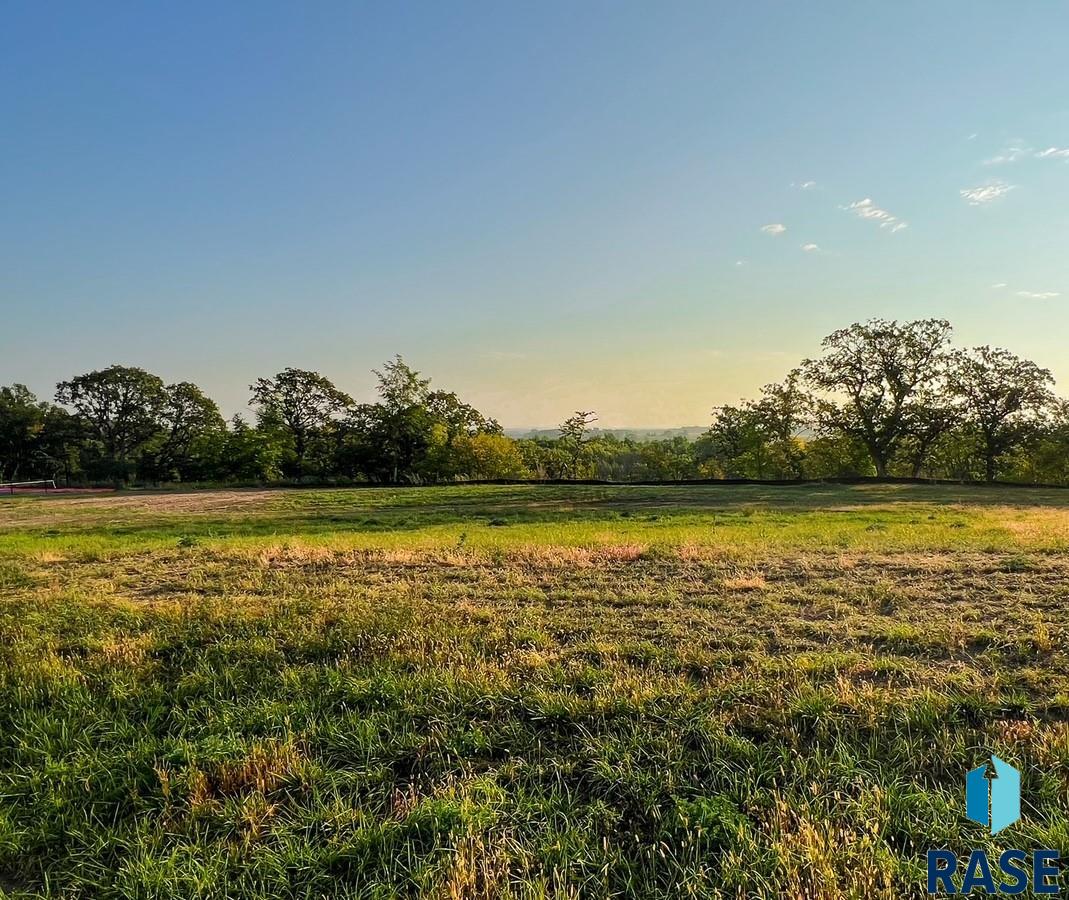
x: 991, y: 449
x: 918, y: 460
x: 298, y: 446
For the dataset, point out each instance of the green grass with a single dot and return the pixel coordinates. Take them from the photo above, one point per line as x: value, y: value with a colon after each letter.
x: 524, y: 691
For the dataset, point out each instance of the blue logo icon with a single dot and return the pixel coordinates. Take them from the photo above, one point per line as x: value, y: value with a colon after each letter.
x: 993, y: 799
x: 993, y: 795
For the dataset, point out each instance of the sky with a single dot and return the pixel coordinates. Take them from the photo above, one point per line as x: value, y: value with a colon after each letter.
x: 642, y: 209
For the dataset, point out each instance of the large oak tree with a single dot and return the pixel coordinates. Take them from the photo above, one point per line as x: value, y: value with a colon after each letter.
x: 871, y: 378
x: 121, y: 406
x: 303, y: 403
x: 1003, y: 397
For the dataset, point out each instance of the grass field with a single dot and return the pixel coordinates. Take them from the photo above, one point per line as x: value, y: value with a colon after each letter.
x: 524, y: 692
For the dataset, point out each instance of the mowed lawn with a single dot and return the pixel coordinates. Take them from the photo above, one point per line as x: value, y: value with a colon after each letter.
x: 533, y: 691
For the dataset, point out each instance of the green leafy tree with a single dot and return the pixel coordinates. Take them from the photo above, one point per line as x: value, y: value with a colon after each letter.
x: 837, y: 456
x: 412, y: 433
x: 387, y: 445
x: 191, y: 438
x: 617, y: 458
x: 929, y: 419
x: 60, y: 445
x: 400, y: 421
x: 667, y: 460
x: 400, y: 386
x: 1049, y: 460
x: 122, y: 408
x: 957, y: 454
x: 489, y: 456
x: 22, y: 419
x: 781, y: 415
x: 869, y: 378
x: 758, y: 439
x: 603, y: 455
x: 543, y: 458
x: 732, y: 447
x: 302, y: 404
x: 574, y: 434
x: 1003, y: 397
x: 451, y: 420
x: 457, y: 416
x: 252, y: 454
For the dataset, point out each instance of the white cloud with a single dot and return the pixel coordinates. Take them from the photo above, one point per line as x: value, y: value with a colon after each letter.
x: 740, y: 262
x: 1028, y: 295
x: 811, y: 248
x: 774, y: 229
x: 978, y: 196
x: 1014, y: 151
x: 866, y: 209
x: 1018, y: 149
x: 804, y: 185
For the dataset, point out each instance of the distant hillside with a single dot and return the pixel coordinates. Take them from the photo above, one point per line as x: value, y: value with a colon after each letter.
x: 690, y: 432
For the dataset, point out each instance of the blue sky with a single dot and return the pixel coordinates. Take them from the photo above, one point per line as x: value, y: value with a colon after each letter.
x: 545, y: 206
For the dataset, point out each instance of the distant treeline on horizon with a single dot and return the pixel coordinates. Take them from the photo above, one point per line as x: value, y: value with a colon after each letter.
x: 882, y: 398
x: 691, y: 432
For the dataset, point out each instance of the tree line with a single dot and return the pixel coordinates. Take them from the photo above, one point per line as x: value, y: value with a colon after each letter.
x: 889, y: 398
x: 882, y: 398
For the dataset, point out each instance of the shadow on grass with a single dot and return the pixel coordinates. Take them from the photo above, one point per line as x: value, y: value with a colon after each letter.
x: 286, y: 512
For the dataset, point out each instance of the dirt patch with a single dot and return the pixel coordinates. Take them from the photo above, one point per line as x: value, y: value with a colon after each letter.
x: 70, y: 508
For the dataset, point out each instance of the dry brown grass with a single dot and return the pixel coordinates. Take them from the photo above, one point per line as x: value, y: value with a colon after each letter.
x: 477, y: 868
x: 745, y: 581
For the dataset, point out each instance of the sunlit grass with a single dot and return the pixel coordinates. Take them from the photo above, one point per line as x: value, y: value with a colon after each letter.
x: 519, y: 692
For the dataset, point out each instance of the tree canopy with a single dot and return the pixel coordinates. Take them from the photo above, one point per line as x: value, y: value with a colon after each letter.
x: 883, y: 398
x: 869, y: 380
